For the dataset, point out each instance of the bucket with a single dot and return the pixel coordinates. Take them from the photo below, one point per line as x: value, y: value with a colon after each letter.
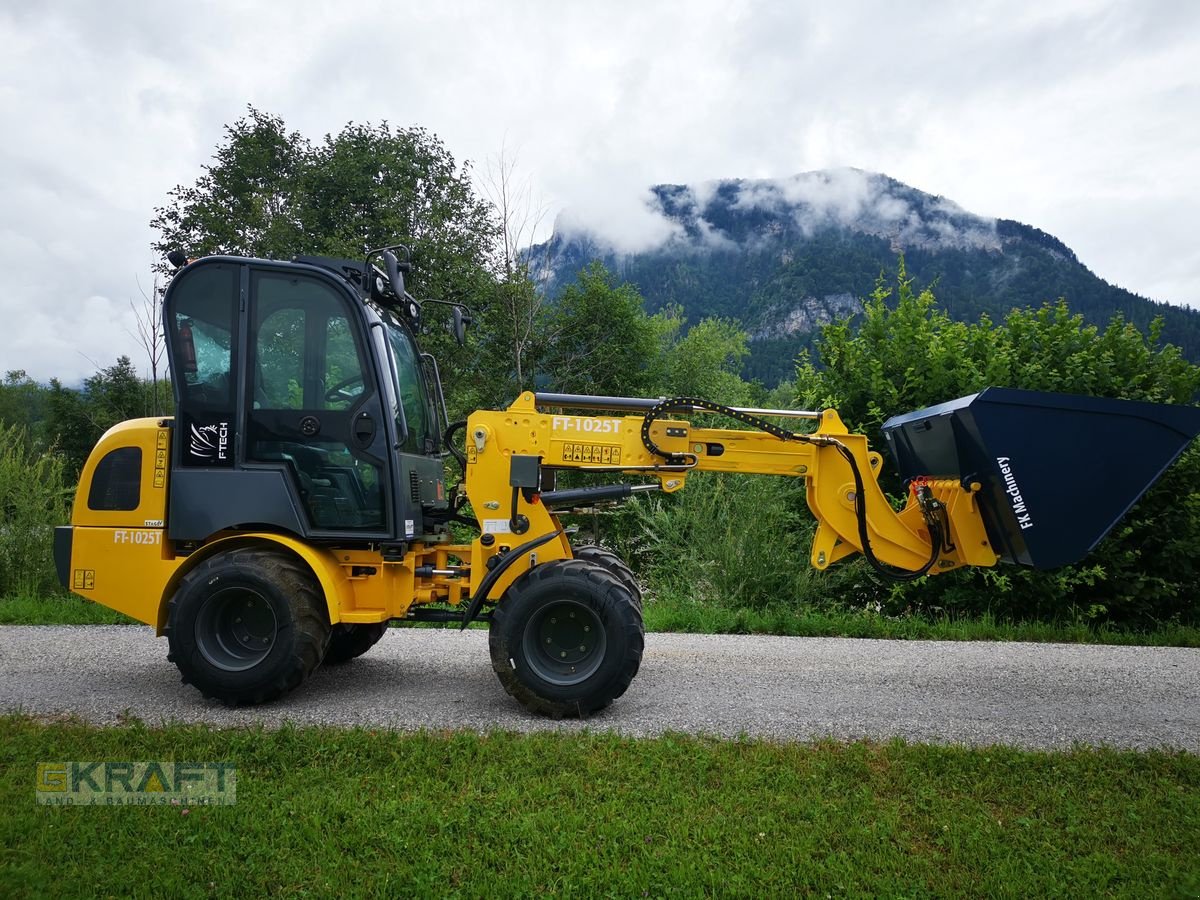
x: 1058, y: 471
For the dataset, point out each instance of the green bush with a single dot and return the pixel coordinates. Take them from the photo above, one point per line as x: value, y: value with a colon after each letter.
x: 737, y: 541
x: 910, y: 355
x: 33, y: 499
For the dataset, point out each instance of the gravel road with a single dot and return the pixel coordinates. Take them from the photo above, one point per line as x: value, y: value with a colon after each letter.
x: 1029, y: 695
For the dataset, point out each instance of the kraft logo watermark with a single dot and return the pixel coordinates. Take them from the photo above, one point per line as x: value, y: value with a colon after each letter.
x: 125, y: 783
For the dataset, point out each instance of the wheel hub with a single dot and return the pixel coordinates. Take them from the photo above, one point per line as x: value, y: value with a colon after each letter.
x: 236, y: 629
x: 564, y: 642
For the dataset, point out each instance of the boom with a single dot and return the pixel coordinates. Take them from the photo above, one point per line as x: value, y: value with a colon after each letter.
x: 512, y: 458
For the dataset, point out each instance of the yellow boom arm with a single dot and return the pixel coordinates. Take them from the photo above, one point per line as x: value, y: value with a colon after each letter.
x: 510, y: 453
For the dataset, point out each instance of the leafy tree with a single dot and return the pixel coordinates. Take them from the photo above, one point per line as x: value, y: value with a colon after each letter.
x: 599, y: 339
x: 270, y: 192
x: 914, y: 355
x: 706, y: 362
x: 245, y: 202
x: 22, y: 404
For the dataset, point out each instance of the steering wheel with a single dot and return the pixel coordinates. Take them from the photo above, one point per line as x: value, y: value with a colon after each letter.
x: 339, y: 393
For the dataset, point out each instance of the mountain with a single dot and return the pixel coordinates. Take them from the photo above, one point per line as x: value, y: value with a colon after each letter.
x: 784, y: 256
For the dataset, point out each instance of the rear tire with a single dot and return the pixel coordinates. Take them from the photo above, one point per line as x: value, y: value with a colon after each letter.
x: 603, y: 557
x: 247, y: 626
x: 566, y: 639
x: 347, y: 642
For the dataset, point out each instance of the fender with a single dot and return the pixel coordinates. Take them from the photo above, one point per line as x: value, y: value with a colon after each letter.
x: 325, y: 568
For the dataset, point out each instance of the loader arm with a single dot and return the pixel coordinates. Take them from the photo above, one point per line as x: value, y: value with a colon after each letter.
x: 513, y: 457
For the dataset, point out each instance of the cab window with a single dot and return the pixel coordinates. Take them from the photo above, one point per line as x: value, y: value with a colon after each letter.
x: 414, y: 413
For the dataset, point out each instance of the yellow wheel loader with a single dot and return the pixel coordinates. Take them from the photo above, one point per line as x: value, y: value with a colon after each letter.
x: 296, y: 502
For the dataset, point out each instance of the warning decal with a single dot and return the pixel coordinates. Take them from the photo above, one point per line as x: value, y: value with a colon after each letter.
x: 598, y: 454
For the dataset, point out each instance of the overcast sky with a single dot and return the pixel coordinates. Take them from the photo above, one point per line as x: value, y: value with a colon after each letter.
x: 1081, y: 118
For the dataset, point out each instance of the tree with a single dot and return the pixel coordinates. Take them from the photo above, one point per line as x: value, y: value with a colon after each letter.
x: 515, y: 316
x: 271, y: 192
x: 245, y: 202
x: 23, y: 404
x: 706, y: 362
x: 599, y: 339
x: 150, y: 335
x: 77, y: 419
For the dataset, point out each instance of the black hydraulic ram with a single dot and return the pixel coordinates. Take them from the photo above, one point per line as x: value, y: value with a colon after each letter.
x: 586, y: 495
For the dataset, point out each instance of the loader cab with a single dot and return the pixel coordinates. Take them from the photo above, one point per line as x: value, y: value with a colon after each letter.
x: 302, y: 406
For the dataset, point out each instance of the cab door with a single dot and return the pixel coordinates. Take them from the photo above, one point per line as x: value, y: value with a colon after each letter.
x: 313, y: 402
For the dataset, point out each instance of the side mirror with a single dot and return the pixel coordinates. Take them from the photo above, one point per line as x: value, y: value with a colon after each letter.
x: 460, y: 318
x: 393, y: 273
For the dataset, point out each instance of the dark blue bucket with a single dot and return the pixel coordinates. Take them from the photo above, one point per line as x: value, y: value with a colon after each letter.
x: 1058, y: 470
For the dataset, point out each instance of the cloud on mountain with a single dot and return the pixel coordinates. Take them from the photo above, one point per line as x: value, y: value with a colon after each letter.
x: 867, y: 202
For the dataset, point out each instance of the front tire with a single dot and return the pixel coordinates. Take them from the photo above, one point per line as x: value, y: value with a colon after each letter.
x: 566, y: 639
x: 247, y: 626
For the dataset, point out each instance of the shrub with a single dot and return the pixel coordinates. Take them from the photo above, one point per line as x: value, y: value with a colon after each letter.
x: 33, y: 499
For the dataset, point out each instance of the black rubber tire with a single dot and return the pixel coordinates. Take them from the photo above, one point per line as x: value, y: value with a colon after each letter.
x: 599, y: 598
x: 604, y: 557
x: 350, y: 641
x: 291, y: 618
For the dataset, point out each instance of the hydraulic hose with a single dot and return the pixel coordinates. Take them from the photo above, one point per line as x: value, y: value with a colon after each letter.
x: 448, y: 440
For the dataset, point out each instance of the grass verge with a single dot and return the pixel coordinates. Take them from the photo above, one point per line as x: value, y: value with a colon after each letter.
x: 673, y: 614
x: 64, y: 609
x: 327, y: 812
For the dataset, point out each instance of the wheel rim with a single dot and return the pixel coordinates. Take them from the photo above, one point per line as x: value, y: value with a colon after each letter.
x: 236, y: 629
x: 564, y: 642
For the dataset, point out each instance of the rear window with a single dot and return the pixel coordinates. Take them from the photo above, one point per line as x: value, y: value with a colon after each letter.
x: 117, y: 484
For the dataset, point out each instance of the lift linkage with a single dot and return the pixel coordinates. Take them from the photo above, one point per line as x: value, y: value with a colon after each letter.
x: 513, y: 457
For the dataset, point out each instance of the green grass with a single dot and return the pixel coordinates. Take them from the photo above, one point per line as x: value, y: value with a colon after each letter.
x: 684, y: 615
x: 323, y: 812
x: 674, y: 614
x: 64, y: 609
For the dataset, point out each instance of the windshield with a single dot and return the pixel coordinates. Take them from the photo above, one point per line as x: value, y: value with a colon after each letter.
x: 410, y: 388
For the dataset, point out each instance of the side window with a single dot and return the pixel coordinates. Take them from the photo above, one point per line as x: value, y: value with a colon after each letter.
x: 117, y: 482
x: 279, y: 346
x: 201, y: 319
x: 410, y: 387
x: 306, y: 356
x: 343, y: 377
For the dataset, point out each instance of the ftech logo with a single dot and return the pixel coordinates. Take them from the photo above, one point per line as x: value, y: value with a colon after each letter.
x: 210, y: 443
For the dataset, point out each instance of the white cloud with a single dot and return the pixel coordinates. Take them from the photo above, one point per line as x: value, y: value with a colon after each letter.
x: 625, y: 223
x: 1081, y: 118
